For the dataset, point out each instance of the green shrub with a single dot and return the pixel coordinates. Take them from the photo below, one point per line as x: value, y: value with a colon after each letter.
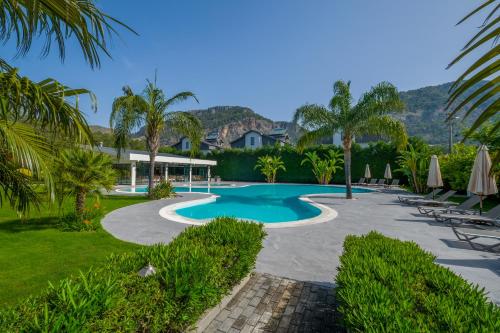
x: 457, y: 167
x: 89, y: 220
x: 162, y: 190
x: 386, y: 285
x: 193, y: 273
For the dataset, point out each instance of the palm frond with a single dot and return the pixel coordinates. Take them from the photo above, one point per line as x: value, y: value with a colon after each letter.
x: 312, y: 116
x: 180, y: 97
x: 313, y: 136
x: 386, y: 126
x: 190, y: 126
x: 485, y: 68
x: 45, y: 104
x: 58, y: 21
x: 381, y: 99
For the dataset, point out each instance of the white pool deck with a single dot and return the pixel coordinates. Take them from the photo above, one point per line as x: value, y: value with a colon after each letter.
x: 311, y: 252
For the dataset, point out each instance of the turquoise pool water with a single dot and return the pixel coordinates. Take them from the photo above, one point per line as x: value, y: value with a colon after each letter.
x: 263, y: 203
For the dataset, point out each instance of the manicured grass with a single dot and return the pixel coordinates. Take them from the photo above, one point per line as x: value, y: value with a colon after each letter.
x: 34, y: 251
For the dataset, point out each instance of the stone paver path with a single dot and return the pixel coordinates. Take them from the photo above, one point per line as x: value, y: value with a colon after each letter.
x: 272, y: 304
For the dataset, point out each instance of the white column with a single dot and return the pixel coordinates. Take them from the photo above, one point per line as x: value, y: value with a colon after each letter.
x: 166, y: 172
x: 208, y: 177
x: 190, y: 176
x: 132, y: 176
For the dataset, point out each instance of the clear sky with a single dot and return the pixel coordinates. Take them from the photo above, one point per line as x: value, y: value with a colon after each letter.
x: 269, y: 55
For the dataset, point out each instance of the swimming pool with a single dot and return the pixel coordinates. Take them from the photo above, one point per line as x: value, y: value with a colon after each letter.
x: 267, y: 203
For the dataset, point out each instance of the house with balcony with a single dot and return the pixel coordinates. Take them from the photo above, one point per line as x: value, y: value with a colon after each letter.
x: 254, y: 139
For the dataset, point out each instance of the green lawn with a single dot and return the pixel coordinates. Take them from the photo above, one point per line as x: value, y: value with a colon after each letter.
x: 34, y: 251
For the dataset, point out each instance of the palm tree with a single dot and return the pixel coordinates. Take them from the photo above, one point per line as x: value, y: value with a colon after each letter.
x: 84, y: 172
x: 131, y: 111
x: 323, y: 169
x: 269, y: 166
x: 479, y: 84
x: 27, y: 107
x: 370, y: 116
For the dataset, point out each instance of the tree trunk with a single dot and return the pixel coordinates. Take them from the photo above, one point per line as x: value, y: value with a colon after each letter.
x: 347, y: 166
x: 80, y: 201
x: 152, y: 158
x: 153, y: 145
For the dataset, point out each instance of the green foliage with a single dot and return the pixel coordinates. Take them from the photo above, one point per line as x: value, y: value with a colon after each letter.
x: 371, y: 115
x: 162, y: 190
x: 457, y: 166
x: 269, y: 166
x: 193, y: 273
x: 237, y: 164
x: 386, y: 285
x: 89, y: 220
x: 324, y: 169
x: 83, y: 171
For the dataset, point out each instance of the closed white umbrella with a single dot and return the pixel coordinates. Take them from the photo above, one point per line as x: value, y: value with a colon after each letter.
x: 388, y: 173
x: 434, y: 177
x: 481, y: 182
x: 368, y: 173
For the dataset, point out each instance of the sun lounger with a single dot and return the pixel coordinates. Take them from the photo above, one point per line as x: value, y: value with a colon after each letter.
x: 463, y: 208
x: 394, y: 183
x: 375, y: 182
x: 404, y: 198
x: 471, y: 233
x: 440, y: 201
x: 490, y: 217
x: 361, y: 182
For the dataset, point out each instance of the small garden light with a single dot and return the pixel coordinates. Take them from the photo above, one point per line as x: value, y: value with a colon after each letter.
x: 147, y: 271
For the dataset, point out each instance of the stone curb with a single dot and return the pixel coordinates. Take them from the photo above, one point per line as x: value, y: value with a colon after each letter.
x: 210, y: 314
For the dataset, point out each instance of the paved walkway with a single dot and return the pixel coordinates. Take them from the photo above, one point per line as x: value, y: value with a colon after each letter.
x: 311, y: 253
x: 271, y: 304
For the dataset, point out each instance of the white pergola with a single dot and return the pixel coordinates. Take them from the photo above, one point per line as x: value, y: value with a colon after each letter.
x: 133, y: 156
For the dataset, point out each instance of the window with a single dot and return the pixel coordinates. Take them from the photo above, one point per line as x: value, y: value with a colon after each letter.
x: 252, y: 141
x: 186, y: 144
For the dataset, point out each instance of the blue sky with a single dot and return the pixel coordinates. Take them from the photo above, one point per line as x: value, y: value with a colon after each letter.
x: 269, y: 55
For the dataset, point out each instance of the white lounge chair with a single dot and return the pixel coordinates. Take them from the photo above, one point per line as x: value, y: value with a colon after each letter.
x: 471, y: 233
x: 404, y: 198
x: 490, y: 217
x: 463, y: 208
x: 440, y: 201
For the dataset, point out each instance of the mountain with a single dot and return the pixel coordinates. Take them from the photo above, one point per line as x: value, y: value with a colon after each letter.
x: 232, y: 122
x: 424, y: 117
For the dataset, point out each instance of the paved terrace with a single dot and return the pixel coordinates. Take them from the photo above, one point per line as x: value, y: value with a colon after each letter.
x: 311, y: 253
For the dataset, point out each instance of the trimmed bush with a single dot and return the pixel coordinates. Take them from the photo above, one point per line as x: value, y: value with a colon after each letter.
x: 238, y: 164
x: 193, y: 273
x: 162, y: 190
x: 386, y: 285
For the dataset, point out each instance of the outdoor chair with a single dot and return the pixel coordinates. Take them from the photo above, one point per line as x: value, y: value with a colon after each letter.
x: 394, y: 183
x: 490, y: 217
x: 440, y: 201
x: 403, y: 198
x: 375, y: 182
x: 360, y: 182
x: 463, y: 208
x: 471, y: 233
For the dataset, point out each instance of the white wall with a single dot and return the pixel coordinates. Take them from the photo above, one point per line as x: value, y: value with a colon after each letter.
x: 183, y: 143
x: 257, y: 140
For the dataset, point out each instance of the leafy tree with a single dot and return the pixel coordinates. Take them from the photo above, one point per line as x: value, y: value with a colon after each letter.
x: 150, y: 108
x: 269, y: 166
x: 324, y: 169
x: 414, y: 164
x: 370, y: 116
x: 457, y: 166
x: 26, y: 106
x: 480, y: 82
x: 85, y: 171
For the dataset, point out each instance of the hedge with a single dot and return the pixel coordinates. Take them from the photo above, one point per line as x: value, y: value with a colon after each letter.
x: 238, y: 164
x: 193, y: 273
x: 386, y: 285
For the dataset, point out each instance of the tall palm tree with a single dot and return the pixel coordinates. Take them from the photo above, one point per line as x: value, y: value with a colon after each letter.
x: 479, y: 84
x: 85, y: 171
x: 370, y: 116
x: 150, y: 108
x: 27, y: 107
